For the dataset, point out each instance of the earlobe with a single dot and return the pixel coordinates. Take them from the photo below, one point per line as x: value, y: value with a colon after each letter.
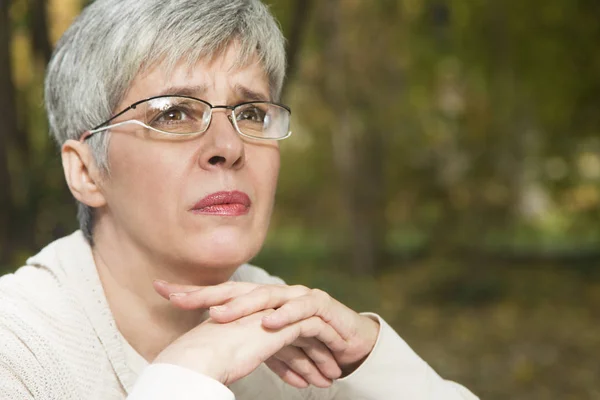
x: 81, y: 173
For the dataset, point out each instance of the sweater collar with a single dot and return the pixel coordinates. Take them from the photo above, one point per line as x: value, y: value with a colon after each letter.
x: 71, y: 260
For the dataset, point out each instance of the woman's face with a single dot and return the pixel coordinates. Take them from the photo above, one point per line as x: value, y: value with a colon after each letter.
x: 156, y: 193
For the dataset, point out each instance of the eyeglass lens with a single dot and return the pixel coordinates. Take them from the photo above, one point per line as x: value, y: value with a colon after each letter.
x: 182, y: 115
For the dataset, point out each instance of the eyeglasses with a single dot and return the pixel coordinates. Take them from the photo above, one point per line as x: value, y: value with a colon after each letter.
x: 185, y: 116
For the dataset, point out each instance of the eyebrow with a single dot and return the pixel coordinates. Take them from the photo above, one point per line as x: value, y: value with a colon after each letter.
x: 243, y: 92
x: 192, y: 91
x: 250, y: 95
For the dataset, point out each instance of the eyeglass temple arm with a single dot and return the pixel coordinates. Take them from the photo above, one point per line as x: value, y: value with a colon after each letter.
x: 105, y: 125
x: 92, y: 132
x: 86, y: 135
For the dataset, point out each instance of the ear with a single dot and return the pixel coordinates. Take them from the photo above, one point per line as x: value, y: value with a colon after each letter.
x: 81, y: 173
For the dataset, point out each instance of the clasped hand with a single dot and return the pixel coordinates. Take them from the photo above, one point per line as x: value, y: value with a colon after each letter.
x: 303, y: 335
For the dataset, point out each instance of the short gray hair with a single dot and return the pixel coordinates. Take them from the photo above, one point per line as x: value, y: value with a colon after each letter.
x: 112, y: 41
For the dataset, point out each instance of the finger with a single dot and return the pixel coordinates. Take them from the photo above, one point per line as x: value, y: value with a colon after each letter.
x: 316, y: 303
x: 209, y: 296
x: 317, y: 328
x: 165, y: 288
x: 298, y: 361
x: 294, y: 310
x: 286, y: 373
x: 262, y: 297
x: 321, y: 356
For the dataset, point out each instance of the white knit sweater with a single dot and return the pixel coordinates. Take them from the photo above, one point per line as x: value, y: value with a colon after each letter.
x: 58, y: 340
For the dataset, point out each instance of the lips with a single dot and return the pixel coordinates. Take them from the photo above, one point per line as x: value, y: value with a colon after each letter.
x: 223, y: 203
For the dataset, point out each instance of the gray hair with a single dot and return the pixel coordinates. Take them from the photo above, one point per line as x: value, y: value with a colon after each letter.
x: 112, y: 41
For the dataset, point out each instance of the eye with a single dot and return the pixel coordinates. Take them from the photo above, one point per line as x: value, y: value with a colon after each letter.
x: 172, y: 115
x: 251, y: 114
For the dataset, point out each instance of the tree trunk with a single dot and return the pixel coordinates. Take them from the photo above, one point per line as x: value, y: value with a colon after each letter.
x: 301, y: 13
x: 357, y: 153
x: 39, y: 29
x: 8, y: 128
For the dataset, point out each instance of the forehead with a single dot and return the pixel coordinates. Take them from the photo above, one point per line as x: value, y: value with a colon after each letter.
x: 224, y: 74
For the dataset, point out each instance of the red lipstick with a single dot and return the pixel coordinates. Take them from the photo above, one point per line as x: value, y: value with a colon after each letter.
x: 229, y: 204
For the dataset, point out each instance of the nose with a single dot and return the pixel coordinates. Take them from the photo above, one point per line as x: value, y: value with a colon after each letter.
x: 222, y: 146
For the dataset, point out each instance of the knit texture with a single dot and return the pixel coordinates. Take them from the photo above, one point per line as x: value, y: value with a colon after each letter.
x: 59, y: 340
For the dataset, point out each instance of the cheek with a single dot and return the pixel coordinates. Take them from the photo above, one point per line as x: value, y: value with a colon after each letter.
x: 263, y: 164
x: 143, y: 174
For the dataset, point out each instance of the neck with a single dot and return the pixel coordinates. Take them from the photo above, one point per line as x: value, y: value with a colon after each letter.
x: 147, y: 321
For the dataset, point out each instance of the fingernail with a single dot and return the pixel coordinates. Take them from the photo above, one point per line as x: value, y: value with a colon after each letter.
x: 269, y: 318
x: 219, y: 309
x: 161, y: 282
x: 177, y: 295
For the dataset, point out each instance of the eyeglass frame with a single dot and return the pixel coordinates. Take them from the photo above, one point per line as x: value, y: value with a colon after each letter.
x: 101, y: 128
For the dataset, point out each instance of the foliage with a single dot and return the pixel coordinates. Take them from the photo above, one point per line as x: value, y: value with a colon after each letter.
x: 443, y: 171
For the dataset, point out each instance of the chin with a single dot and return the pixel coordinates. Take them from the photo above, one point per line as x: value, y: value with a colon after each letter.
x: 223, y: 259
x: 224, y: 249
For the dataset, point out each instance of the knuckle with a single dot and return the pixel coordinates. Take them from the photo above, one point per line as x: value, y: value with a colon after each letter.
x: 261, y: 294
x: 301, y: 289
x: 261, y: 290
x: 320, y: 359
x: 311, y: 327
x: 321, y: 295
x: 304, y: 367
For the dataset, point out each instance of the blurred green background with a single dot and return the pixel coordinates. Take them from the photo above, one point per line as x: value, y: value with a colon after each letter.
x: 444, y: 172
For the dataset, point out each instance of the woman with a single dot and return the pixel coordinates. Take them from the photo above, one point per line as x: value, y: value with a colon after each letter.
x: 167, y: 119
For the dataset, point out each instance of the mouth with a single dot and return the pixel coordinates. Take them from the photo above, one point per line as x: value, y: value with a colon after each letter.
x: 229, y: 204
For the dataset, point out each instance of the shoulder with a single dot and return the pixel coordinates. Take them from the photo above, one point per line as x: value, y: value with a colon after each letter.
x: 39, y: 310
x: 251, y: 273
x: 33, y: 315
x: 41, y: 296
x: 40, y: 302
x: 32, y: 292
